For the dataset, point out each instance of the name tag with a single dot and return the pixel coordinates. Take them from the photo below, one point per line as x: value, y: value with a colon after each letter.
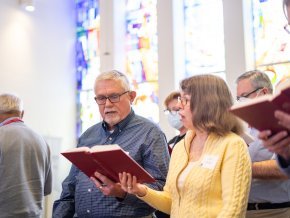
x: 209, y: 161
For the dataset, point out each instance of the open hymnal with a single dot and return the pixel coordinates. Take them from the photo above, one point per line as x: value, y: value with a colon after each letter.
x: 259, y: 112
x: 109, y: 160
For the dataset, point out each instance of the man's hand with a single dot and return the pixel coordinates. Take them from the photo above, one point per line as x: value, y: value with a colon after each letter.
x: 107, y: 186
x: 278, y: 143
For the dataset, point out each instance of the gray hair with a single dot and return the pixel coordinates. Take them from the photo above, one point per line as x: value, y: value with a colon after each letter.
x: 10, y: 103
x: 115, y: 75
x: 258, y: 79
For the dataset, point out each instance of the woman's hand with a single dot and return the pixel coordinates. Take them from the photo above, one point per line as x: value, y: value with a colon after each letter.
x: 130, y: 185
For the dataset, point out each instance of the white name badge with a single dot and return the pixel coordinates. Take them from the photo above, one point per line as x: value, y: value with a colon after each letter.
x: 209, y: 161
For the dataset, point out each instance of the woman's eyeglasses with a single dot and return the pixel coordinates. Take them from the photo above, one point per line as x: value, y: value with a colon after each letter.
x: 183, y: 101
x: 172, y: 112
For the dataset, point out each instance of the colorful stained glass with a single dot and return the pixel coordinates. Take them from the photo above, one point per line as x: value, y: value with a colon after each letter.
x: 277, y: 72
x: 141, y: 55
x: 204, y: 37
x: 271, y: 41
x: 87, y: 61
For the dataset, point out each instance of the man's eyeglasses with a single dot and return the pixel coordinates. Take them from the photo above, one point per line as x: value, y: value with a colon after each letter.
x: 173, y: 112
x: 183, y: 101
x: 112, y: 98
x: 245, y: 96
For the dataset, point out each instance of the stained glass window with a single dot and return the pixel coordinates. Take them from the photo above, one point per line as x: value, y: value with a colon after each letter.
x: 204, y: 37
x: 271, y: 42
x: 141, y: 55
x: 87, y: 61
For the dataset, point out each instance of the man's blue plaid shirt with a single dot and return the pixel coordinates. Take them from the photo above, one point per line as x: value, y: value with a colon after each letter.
x: 145, y: 143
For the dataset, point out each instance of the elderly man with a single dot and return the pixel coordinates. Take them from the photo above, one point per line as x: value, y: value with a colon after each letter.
x: 144, y: 141
x: 280, y: 142
x: 25, y: 167
x: 275, y: 201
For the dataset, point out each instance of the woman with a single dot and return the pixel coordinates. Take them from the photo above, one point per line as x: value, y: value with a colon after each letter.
x: 210, y: 170
x: 173, y: 117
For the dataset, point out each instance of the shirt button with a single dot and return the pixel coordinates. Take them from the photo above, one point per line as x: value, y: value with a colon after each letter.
x: 120, y: 130
x: 110, y: 138
x: 88, y: 211
x: 89, y: 190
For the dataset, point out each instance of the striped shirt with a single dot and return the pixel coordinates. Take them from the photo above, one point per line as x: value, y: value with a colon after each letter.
x: 146, y: 144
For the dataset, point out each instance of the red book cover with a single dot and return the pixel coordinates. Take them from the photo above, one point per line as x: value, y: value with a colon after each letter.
x: 259, y: 112
x: 109, y: 160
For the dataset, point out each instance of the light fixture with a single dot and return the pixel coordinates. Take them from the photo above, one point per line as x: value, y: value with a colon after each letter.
x: 28, y: 5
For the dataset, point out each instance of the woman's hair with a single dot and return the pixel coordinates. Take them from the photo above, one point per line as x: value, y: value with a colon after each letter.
x: 10, y: 103
x: 210, y: 100
x: 170, y: 97
x: 116, y: 76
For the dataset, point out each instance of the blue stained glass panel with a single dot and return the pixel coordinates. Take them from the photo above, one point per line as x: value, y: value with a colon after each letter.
x: 87, y: 61
x: 141, y: 55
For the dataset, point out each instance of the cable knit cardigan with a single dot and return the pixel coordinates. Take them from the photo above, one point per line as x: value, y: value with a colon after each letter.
x: 218, y: 186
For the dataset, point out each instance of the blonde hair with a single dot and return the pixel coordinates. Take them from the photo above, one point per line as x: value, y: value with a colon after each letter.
x: 210, y: 100
x: 10, y: 103
x: 170, y: 97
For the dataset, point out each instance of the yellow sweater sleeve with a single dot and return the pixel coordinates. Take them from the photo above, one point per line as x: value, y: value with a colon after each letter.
x: 160, y: 200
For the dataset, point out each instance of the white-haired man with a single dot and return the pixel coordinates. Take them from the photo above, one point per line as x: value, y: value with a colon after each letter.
x: 25, y: 167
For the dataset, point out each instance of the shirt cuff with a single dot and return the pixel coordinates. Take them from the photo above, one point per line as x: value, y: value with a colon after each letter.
x: 282, y: 162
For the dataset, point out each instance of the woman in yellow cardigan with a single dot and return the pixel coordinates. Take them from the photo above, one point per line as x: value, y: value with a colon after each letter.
x: 210, y: 169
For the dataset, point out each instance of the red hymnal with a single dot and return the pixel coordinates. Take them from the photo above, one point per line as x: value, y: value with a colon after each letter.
x: 259, y: 112
x: 109, y: 160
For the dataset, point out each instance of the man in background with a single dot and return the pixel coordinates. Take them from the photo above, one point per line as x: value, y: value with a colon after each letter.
x: 270, y: 188
x: 141, y: 138
x: 25, y: 167
x: 280, y: 142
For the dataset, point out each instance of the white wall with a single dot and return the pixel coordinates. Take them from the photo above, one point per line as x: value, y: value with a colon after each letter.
x: 37, y: 63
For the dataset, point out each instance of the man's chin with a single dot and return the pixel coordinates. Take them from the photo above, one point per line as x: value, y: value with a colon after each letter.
x: 112, y: 121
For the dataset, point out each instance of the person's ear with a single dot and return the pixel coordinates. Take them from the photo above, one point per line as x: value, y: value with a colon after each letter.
x: 132, y: 95
x: 265, y: 91
x: 21, y: 114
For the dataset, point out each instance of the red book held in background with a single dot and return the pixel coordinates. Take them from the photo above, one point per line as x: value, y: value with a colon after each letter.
x: 259, y: 112
x: 109, y: 160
